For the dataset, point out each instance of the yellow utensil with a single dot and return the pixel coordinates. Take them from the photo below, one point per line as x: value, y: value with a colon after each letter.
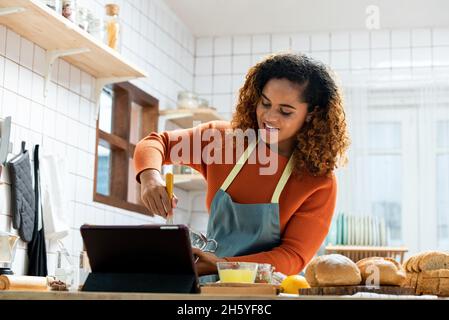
x: 169, y: 187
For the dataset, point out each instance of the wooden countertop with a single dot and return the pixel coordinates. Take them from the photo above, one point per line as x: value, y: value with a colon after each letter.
x: 75, y: 295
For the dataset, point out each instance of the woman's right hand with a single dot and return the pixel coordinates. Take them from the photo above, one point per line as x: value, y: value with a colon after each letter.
x: 154, y: 194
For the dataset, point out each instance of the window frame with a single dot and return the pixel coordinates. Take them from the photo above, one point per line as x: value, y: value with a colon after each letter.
x: 122, y: 149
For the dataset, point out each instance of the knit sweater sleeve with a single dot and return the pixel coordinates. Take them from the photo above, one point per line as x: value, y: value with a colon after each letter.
x: 182, y: 147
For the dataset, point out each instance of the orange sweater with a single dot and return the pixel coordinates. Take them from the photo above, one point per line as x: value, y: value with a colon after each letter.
x: 306, y: 204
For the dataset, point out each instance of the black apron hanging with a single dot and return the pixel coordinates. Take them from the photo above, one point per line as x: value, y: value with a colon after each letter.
x: 37, y: 252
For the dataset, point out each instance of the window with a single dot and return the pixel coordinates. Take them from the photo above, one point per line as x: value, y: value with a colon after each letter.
x: 127, y: 114
x: 442, y: 183
x: 385, y: 170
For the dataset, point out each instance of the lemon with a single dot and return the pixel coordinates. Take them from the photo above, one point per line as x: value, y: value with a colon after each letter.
x: 292, y: 284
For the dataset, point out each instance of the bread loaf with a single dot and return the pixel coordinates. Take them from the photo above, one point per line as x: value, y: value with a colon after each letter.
x: 443, y: 288
x: 390, y: 272
x: 428, y: 273
x: 433, y: 261
x: 427, y: 260
x: 332, y: 270
x: 310, y: 272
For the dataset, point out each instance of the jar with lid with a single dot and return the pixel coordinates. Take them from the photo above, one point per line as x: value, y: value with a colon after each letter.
x: 96, y: 27
x: 203, y: 103
x: 82, y: 18
x: 68, y: 9
x: 112, y: 25
x: 53, y: 4
x: 187, y: 100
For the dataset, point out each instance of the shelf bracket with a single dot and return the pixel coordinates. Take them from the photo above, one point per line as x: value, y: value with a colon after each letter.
x: 100, y: 83
x: 11, y: 10
x: 52, y: 56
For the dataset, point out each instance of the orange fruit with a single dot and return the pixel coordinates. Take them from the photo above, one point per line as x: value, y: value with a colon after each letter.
x: 292, y: 284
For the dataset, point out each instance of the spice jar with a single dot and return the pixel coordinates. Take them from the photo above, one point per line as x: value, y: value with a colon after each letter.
x: 187, y: 100
x: 112, y: 25
x: 82, y: 18
x: 53, y: 4
x: 68, y: 9
x: 96, y: 27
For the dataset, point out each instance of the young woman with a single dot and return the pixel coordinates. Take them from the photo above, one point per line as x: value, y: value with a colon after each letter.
x: 277, y: 214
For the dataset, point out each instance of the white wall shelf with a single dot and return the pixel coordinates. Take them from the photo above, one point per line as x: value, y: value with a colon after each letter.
x: 190, y: 182
x: 61, y: 38
x: 186, y: 118
x: 36, y: 22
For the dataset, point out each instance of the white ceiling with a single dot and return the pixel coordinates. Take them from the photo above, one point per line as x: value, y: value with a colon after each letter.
x: 232, y: 17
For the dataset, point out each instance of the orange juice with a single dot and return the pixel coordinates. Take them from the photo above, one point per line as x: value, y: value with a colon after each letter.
x: 237, y: 275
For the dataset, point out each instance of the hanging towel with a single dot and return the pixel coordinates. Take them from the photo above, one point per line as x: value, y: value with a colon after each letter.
x: 22, y: 194
x: 54, y: 201
x: 37, y: 252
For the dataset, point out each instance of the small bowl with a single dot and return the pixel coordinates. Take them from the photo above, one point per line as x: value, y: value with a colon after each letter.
x: 237, y: 272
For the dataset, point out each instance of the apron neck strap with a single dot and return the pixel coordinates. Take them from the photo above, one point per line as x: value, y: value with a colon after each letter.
x: 283, y: 180
x: 241, y: 162
x: 239, y: 165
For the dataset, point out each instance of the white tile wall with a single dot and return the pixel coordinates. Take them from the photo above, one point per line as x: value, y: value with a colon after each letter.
x: 280, y: 43
x: 241, y: 45
x: 63, y: 123
x: 261, y: 44
x: 360, y: 40
x: 345, y: 51
x: 340, y: 40
x: 223, y: 46
x: 241, y: 64
x: 320, y: 41
x: 300, y: 42
x: 222, y: 64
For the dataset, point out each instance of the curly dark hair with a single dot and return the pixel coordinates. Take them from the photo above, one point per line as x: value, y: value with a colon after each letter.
x: 323, y: 141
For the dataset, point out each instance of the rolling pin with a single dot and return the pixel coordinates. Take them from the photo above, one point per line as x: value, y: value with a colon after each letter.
x: 23, y: 283
x: 169, y: 186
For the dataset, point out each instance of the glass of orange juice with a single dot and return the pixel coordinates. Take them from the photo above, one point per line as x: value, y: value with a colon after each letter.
x: 237, y: 272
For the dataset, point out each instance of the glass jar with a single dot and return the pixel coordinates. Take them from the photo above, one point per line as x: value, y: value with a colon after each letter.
x: 203, y: 103
x: 82, y: 18
x: 96, y: 27
x: 53, y: 4
x: 68, y: 9
x: 264, y: 273
x: 112, y: 25
x: 187, y: 100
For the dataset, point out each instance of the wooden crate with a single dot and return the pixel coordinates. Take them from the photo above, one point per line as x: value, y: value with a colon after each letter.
x: 356, y: 253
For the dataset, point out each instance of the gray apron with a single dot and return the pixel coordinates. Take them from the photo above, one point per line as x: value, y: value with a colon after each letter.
x: 242, y: 229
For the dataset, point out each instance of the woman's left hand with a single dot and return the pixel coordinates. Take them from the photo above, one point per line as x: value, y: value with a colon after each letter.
x: 207, y: 262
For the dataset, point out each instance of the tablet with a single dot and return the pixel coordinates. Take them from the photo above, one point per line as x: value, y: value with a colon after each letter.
x: 145, y: 249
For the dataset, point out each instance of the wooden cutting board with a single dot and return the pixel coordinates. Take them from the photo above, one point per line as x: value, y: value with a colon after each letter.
x: 240, y: 289
x: 350, y: 290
